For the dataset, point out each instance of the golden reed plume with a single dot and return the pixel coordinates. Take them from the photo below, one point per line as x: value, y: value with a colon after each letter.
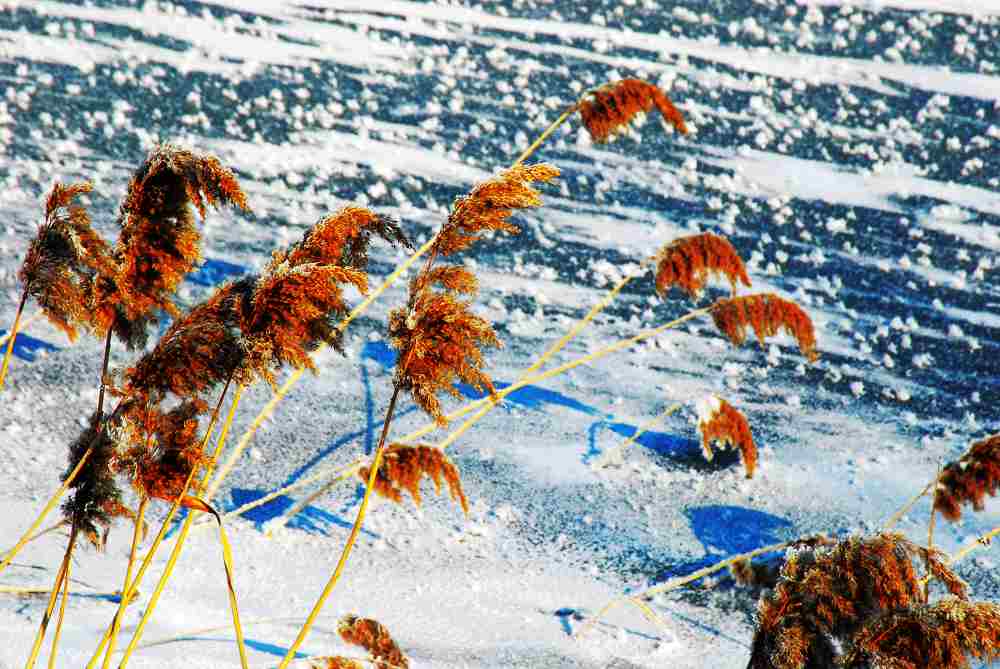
x: 766, y: 313
x: 720, y: 422
x: 375, y: 638
x: 968, y: 481
x: 689, y: 261
x: 343, y: 238
x: 403, y: 467
x: 607, y: 110
x: 162, y: 471
x: 825, y: 595
x: 64, y: 258
x: 943, y: 635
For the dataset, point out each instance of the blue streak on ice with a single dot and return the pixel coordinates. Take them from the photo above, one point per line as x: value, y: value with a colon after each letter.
x: 27, y: 347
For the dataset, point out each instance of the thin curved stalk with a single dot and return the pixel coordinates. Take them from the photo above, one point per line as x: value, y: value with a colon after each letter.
x: 545, y: 135
x: 896, y: 517
x: 344, y: 473
x: 60, y: 577
x: 376, y: 462
x: 116, y: 625
x: 185, y: 528
x: 12, y: 337
x: 62, y: 615
x: 606, y: 457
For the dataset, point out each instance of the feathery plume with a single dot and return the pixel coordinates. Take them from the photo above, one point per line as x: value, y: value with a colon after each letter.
x: 942, y: 635
x: 343, y: 238
x: 719, y: 422
x: 159, y: 243
x: 439, y: 339
x: 490, y: 204
x: 403, y: 467
x: 375, y: 638
x: 766, y: 313
x: 335, y: 662
x: 607, y: 110
x: 826, y: 595
x: 687, y: 262
x: 162, y: 471
x: 63, y: 258
x: 200, y: 350
x: 975, y: 475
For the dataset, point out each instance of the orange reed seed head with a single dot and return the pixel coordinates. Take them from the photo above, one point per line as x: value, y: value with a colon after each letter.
x: 609, y: 109
x: 404, y: 466
x: 334, y: 662
x: 943, y: 635
x: 343, y: 238
x: 827, y: 594
x: 490, y: 204
x: 689, y: 261
x: 64, y: 258
x: 375, y: 638
x: 290, y: 313
x: 200, y: 350
x: 439, y: 340
x: 766, y: 313
x: 968, y: 481
x: 159, y: 243
x: 162, y: 471
x: 719, y: 421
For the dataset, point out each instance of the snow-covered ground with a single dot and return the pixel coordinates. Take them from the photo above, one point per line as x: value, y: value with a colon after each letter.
x: 848, y: 148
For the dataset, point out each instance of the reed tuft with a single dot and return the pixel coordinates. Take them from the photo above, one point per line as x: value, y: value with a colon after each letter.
x: 375, y: 638
x: 719, y: 422
x: 825, y: 596
x: 766, y: 313
x: 335, y: 662
x: 942, y: 635
x: 968, y: 481
x: 689, y: 261
x: 608, y: 110
x: 403, y: 467
x: 64, y: 258
x: 343, y: 238
x: 162, y: 472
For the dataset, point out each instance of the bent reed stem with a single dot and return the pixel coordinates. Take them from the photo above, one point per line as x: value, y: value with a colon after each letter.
x: 376, y: 461
x: 605, y: 457
x: 545, y: 135
x: 896, y: 517
x: 13, y: 336
x: 116, y: 625
x: 186, y: 527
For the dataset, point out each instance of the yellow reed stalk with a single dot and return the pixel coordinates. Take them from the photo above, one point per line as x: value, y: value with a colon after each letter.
x: 676, y: 583
x: 59, y: 622
x: 268, y: 409
x: 116, y: 625
x: 606, y: 457
x: 12, y: 337
x: 227, y: 561
x: 60, y: 577
x: 29, y: 533
x: 545, y: 135
x: 344, y: 473
x: 185, y: 529
x: 345, y: 553
x: 896, y: 517
x: 148, y: 559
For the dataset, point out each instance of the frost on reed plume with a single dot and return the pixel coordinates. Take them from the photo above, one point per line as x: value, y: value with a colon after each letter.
x: 608, y: 110
x: 766, y: 313
x: 825, y: 597
x: 721, y: 423
x: 968, y: 481
x: 403, y: 467
x: 688, y: 262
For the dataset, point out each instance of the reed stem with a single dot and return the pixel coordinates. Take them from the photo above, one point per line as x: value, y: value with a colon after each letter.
x: 59, y: 621
x: 60, y: 576
x: 376, y: 462
x: 13, y: 337
x: 116, y: 625
x: 545, y: 135
x: 104, y: 374
x: 606, y: 457
x: 896, y: 517
x: 186, y: 527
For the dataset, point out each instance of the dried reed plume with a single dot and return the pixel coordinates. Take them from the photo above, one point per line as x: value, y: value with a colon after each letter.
x: 720, y: 422
x: 489, y: 205
x: 343, y: 238
x: 942, y: 635
x: 373, y: 637
x: 764, y: 574
x: 334, y: 663
x: 200, y: 350
x: 159, y: 243
x: 766, y: 313
x: 975, y: 475
x: 403, y: 467
x: 824, y: 597
x: 687, y: 262
x: 608, y: 110
x: 96, y: 500
x: 63, y: 259
x: 162, y: 471
x: 439, y: 340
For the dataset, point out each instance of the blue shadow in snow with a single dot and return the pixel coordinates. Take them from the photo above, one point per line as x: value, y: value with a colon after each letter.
x: 262, y: 646
x: 27, y: 347
x: 214, y: 271
x: 727, y: 530
x: 310, y: 519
